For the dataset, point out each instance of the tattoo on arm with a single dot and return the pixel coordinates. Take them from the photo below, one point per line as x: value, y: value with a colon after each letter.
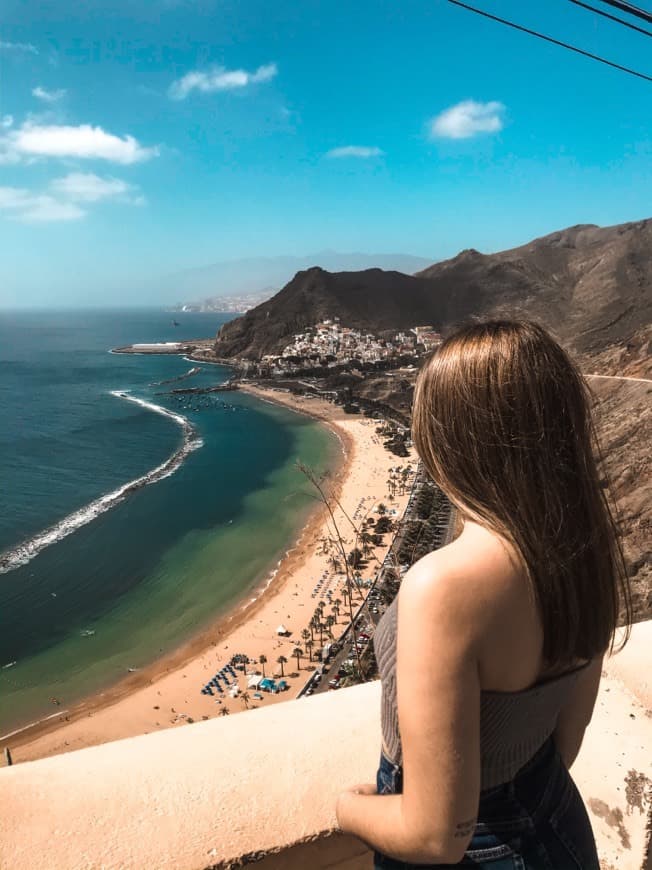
x: 463, y: 829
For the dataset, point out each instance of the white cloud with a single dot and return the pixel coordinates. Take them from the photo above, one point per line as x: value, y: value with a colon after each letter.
x: 220, y: 79
x: 25, y: 47
x: 6, y: 121
x: 467, y: 119
x: 48, y: 96
x: 24, y: 205
x: 362, y: 151
x: 65, y: 198
x: 84, y: 142
x: 88, y: 187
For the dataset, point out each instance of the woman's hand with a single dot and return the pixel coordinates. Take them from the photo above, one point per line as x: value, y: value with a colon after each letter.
x: 364, y: 788
x: 345, y: 799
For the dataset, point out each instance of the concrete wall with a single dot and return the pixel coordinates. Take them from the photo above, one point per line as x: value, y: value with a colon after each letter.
x: 262, y: 785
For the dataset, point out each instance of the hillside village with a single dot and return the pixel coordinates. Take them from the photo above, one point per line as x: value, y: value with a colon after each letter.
x: 331, y: 344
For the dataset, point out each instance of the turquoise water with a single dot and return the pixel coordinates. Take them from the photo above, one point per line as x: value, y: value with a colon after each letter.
x: 156, y: 564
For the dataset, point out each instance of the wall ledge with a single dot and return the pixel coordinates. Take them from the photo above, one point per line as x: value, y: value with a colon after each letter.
x: 260, y: 787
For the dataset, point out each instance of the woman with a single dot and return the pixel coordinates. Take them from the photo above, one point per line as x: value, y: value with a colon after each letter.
x: 490, y: 656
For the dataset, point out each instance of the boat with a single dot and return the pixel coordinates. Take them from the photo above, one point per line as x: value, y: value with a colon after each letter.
x: 10, y: 665
x: 87, y: 632
x: 132, y: 670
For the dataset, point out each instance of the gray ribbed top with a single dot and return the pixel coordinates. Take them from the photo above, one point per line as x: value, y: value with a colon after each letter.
x: 513, y: 725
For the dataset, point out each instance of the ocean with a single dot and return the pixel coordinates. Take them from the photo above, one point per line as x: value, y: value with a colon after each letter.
x: 131, y: 517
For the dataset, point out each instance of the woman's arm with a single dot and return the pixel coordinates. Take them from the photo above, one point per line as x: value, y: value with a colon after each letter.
x: 576, y: 715
x: 439, y: 620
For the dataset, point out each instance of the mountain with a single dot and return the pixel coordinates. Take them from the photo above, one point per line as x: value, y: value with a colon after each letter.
x: 371, y: 299
x: 259, y: 274
x: 591, y: 286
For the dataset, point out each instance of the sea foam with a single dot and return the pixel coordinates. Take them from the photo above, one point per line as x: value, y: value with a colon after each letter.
x: 24, y: 552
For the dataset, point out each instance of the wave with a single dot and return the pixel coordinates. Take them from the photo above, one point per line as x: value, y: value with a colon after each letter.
x: 27, y: 550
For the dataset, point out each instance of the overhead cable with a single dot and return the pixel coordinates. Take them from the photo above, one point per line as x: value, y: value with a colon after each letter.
x: 629, y: 7
x: 574, y: 48
x: 612, y: 17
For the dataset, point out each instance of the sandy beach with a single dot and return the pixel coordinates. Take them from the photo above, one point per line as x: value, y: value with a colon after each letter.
x: 168, y: 693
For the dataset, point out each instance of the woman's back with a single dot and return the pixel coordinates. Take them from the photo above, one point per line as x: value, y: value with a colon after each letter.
x: 520, y: 698
x: 511, y: 658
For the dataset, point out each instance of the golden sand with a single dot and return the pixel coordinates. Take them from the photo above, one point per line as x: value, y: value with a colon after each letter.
x: 167, y: 694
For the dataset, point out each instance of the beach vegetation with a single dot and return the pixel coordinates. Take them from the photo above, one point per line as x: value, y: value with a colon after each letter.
x: 355, y: 557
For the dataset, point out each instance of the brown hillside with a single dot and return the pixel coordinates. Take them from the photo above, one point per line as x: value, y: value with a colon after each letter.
x: 372, y: 299
x: 591, y: 286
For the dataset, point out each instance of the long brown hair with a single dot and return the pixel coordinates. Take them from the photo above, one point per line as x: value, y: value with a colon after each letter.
x: 502, y: 422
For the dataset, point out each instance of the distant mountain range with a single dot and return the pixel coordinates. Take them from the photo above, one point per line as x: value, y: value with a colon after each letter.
x: 204, y: 287
x: 591, y: 286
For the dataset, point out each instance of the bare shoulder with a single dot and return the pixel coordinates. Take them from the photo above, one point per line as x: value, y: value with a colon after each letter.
x: 470, y: 582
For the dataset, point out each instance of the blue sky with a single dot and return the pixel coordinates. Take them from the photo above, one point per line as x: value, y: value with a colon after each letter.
x: 142, y: 138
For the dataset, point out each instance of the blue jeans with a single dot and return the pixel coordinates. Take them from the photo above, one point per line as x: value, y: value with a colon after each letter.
x: 537, y: 821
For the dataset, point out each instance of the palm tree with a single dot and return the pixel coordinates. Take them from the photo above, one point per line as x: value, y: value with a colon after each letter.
x: 336, y: 606
x: 224, y: 711
x: 298, y: 652
x: 382, y: 510
x: 334, y: 563
x: 320, y: 627
x: 366, y: 540
x: 342, y: 542
x: 262, y: 659
x: 281, y: 660
x: 305, y: 635
x: 309, y: 646
x: 246, y: 699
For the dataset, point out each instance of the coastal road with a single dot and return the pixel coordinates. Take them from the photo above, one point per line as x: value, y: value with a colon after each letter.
x: 621, y: 378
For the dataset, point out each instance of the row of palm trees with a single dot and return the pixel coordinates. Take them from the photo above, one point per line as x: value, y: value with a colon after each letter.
x: 340, y: 563
x: 398, y: 480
